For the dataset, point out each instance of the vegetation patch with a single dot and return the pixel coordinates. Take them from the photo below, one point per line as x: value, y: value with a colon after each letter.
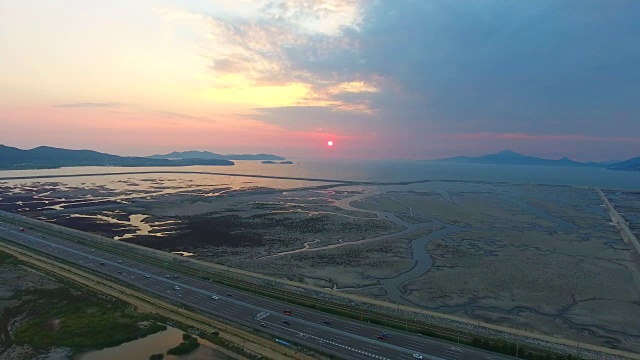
x: 80, y: 321
x: 188, y: 344
x: 7, y: 259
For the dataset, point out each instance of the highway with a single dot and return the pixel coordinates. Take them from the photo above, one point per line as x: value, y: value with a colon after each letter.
x: 340, y: 337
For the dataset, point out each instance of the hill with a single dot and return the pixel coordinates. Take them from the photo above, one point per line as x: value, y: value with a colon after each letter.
x: 508, y: 157
x: 629, y: 165
x: 192, y: 154
x: 45, y: 157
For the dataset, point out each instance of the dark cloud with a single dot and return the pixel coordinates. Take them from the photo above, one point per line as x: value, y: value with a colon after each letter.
x: 489, y: 66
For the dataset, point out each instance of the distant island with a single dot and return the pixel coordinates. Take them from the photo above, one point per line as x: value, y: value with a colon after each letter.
x: 45, y: 157
x: 278, y: 162
x: 192, y: 154
x: 508, y: 157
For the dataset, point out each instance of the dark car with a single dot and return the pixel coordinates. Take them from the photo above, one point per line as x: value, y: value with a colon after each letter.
x: 286, y: 322
x: 327, y: 322
x: 287, y: 312
x: 263, y: 325
x: 229, y: 295
x: 21, y: 229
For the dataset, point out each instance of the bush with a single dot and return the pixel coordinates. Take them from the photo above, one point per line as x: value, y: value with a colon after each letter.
x: 82, y: 322
x: 189, y: 344
x: 156, y: 357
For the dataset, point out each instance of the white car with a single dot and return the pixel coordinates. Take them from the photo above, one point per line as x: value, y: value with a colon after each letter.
x: 417, y: 356
x: 215, y: 297
x: 147, y: 276
x: 177, y: 287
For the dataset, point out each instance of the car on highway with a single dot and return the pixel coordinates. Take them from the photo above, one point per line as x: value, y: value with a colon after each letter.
x: 21, y: 229
x: 327, y: 322
x: 286, y: 322
x: 101, y: 263
x: 147, y: 276
x: 177, y: 287
x: 119, y: 261
x: 214, y: 297
x: 380, y: 337
x: 417, y: 356
x: 263, y: 324
x: 229, y: 295
x: 287, y: 312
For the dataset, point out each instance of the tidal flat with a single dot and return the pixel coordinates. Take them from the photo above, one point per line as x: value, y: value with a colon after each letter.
x: 538, y: 257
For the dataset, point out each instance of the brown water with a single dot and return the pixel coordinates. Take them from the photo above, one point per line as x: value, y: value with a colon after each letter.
x: 158, y: 343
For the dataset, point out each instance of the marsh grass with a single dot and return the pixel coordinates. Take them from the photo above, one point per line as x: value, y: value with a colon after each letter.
x: 79, y: 321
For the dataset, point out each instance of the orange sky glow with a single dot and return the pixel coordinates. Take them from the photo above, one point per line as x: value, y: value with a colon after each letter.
x: 382, y: 79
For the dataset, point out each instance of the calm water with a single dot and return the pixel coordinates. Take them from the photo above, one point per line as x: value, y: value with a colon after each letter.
x: 157, y: 343
x: 391, y: 171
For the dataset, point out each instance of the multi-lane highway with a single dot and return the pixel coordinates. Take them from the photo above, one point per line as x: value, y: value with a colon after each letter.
x: 343, y: 338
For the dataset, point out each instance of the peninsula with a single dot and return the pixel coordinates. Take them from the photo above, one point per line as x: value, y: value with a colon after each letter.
x: 45, y: 157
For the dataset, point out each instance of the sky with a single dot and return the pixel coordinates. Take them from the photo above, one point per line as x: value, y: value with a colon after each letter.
x: 411, y: 79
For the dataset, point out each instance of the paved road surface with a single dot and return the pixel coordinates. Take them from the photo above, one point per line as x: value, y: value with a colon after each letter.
x: 344, y: 338
x: 620, y: 223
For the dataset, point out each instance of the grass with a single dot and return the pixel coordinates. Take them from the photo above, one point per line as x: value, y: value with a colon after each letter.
x: 71, y: 317
x: 7, y: 259
x: 80, y: 321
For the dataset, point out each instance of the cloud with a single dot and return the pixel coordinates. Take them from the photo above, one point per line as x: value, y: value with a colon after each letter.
x: 407, y: 69
x: 301, y: 118
x: 88, y: 105
x: 448, y: 66
x: 536, y: 67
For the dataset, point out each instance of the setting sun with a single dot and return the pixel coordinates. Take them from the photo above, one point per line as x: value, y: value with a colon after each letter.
x: 330, y: 143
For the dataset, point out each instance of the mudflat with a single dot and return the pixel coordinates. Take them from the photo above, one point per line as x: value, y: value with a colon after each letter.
x: 541, y: 258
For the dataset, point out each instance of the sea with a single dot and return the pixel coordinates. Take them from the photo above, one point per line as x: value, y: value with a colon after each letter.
x: 384, y: 171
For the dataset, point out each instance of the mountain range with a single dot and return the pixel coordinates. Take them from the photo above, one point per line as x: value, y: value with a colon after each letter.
x: 192, y: 154
x: 629, y: 165
x: 508, y: 157
x: 45, y: 157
